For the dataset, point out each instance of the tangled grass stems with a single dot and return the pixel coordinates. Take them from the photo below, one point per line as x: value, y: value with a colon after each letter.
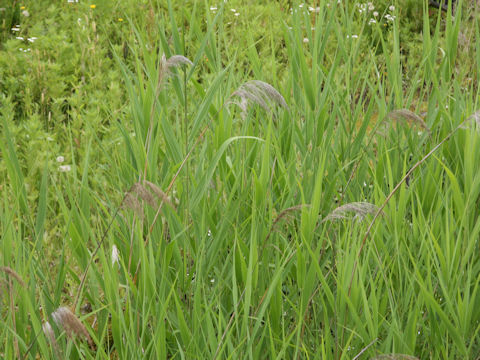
x: 393, y: 192
x: 395, y: 115
x: 50, y: 335
x: 283, y: 214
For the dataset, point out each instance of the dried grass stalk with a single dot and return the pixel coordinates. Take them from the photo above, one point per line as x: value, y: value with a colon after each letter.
x: 10, y: 272
x: 359, y: 209
x: 257, y: 92
x: 48, y: 331
x: 64, y: 318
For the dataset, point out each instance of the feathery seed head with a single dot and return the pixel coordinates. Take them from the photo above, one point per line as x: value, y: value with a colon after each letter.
x: 408, y: 115
x: 64, y: 318
x: 360, y: 209
x: 166, y: 65
x: 257, y: 92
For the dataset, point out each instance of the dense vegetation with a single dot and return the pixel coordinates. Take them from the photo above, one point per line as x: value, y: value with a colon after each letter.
x: 239, y: 179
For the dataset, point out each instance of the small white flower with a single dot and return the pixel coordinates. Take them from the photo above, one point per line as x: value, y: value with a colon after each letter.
x: 32, y: 39
x: 391, y: 8
x: 236, y: 14
x: 213, y: 8
x: 372, y: 21
x: 19, y: 38
x: 209, y: 233
x: 305, y: 40
x: 60, y: 159
x: 64, y: 168
x: 375, y: 13
x: 233, y: 10
x: 115, y: 254
x: 389, y: 17
x: 15, y: 29
x: 25, y: 13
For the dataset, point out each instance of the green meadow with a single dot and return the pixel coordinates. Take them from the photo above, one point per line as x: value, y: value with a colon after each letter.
x: 239, y: 179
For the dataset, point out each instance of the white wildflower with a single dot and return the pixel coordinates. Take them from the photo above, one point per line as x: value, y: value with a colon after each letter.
x: 60, y: 159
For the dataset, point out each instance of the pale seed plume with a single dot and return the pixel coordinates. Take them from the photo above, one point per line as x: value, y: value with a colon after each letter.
x: 257, y: 92
x: 359, y: 209
x: 166, y: 65
x: 64, y: 318
x: 395, y: 357
x: 115, y: 255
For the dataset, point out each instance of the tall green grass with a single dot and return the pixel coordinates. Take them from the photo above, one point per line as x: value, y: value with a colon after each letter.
x: 226, y: 224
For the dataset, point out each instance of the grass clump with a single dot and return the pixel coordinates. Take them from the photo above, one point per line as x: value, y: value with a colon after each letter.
x: 157, y: 221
